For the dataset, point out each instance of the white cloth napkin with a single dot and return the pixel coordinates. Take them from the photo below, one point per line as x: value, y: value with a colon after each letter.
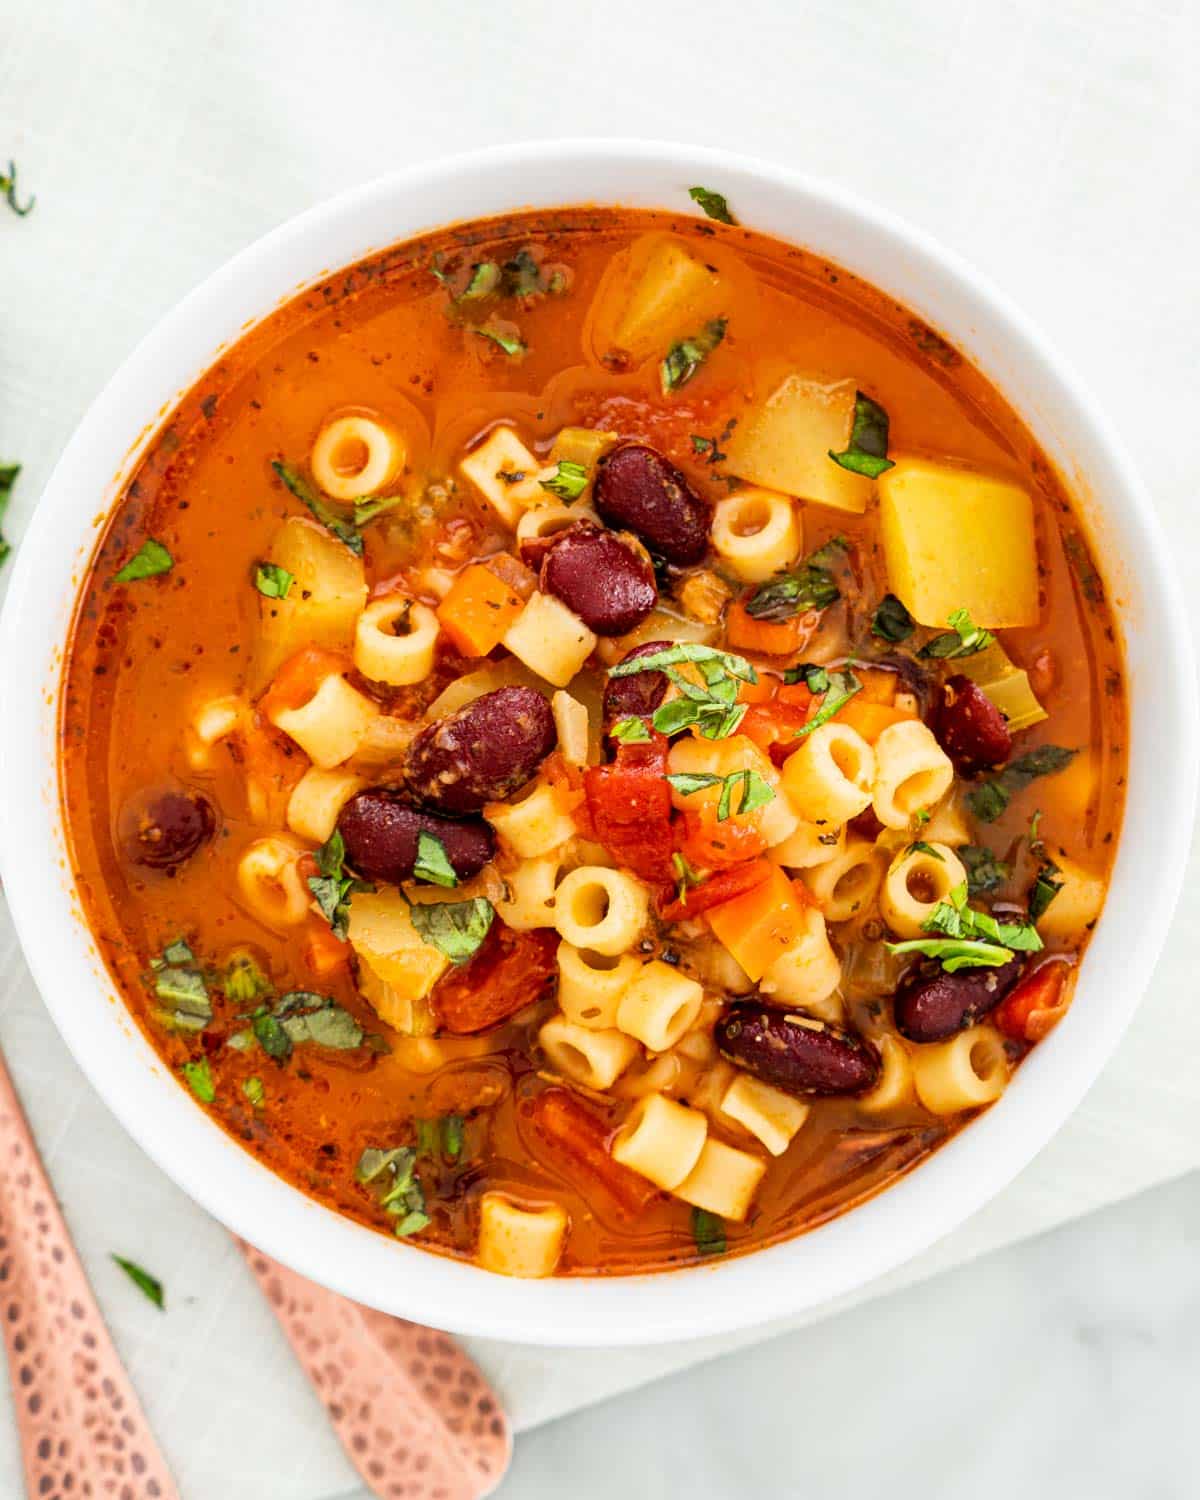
x: 1058, y: 147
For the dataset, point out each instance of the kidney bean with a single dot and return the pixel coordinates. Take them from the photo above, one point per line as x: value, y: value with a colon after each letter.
x: 483, y: 752
x: 638, y: 696
x: 640, y: 490
x: 164, y: 828
x: 970, y: 728
x: 382, y: 832
x: 796, y: 1053
x: 931, y: 1005
x: 608, y: 584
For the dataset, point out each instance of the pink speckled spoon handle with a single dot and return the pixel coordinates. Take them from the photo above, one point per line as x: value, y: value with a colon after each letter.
x: 82, y: 1429
x: 415, y: 1415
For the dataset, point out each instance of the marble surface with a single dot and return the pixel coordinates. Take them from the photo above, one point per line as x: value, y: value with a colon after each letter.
x: 1057, y: 147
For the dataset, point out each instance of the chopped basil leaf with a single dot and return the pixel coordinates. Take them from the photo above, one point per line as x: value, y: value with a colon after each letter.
x: 272, y: 1038
x: 811, y: 586
x: 1046, y: 885
x: 965, y: 639
x: 244, y: 980
x: 199, y: 1080
x: 455, y: 928
x: 523, y: 275
x: 427, y: 1137
x: 432, y: 863
x: 327, y: 1026
x: 991, y: 797
x: 814, y: 678
x: 922, y: 816
x: 442, y: 1137
x: 918, y: 847
x: 320, y: 511
x: 333, y: 888
x: 272, y: 581
x: 686, y: 783
x: 842, y: 687
x: 686, y: 356
x: 687, y: 651
x: 892, y: 622
x: 953, y: 918
x: 708, y: 1231
x: 393, y: 1174
x: 148, y: 1285
x: 8, y: 190
x: 712, y: 708
x: 484, y: 279
x: 685, y: 877
x: 180, y: 984
x: 709, y: 448
x: 713, y: 204
x: 755, y: 792
x: 178, y: 952
x: 510, y: 342
x: 8, y: 477
x: 453, y: 1136
x: 955, y: 954
x: 985, y: 870
x: 867, y: 453
x: 253, y: 1090
x: 151, y: 559
x: 631, y: 731
x: 370, y: 507
x: 568, y: 481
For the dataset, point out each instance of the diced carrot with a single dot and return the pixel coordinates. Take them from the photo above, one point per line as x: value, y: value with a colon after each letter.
x: 629, y: 807
x: 478, y: 610
x: 708, y: 845
x: 510, y: 971
x: 324, y: 953
x: 512, y: 571
x: 761, y: 925
x: 1037, y: 1004
x: 761, y: 691
x: 870, y: 719
x: 723, y: 886
x: 575, y: 1134
x: 300, y: 677
x: 878, y: 685
x: 767, y: 637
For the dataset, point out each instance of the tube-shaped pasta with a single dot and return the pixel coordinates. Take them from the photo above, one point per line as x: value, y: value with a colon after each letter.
x: 1073, y: 911
x: 895, y: 1086
x: 829, y: 779
x: 809, y: 844
x: 661, y: 1139
x: 660, y: 1075
x: 912, y: 772
x: 572, y: 726
x: 604, y: 910
x: 316, y: 800
x: 723, y: 1181
x: 529, y: 901
x: 331, y: 725
x: 595, y: 1059
x: 846, y: 886
x: 211, y: 723
x: 548, y: 517
x: 767, y: 1113
x: 947, y: 823
x: 505, y: 473
x: 270, y: 883
x: 808, y: 973
x: 758, y: 532
x: 385, y: 655
x: 590, y: 985
x: 550, y: 639
x: 659, y: 1006
x: 969, y: 1070
x: 917, y: 879
x: 519, y: 1241
x: 534, y: 824
x: 355, y: 456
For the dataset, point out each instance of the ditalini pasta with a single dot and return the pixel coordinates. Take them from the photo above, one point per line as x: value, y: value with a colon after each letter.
x: 558, y: 782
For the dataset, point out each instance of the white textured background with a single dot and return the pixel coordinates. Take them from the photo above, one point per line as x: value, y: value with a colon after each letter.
x: 1057, y: 145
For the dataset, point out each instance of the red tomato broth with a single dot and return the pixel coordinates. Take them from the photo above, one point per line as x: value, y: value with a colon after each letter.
x: 376, y: 338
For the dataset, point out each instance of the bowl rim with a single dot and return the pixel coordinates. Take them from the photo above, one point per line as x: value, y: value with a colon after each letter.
x: 779, y: 1280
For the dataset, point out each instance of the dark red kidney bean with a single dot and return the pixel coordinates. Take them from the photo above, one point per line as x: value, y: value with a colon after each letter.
x: 483, y: 752
x: 794, y: 1052
x: 164, y: 828
x: 970, y: 728
x: 638, y: 489
x: 865, y: 822
x: 931, y: 1005
x: 638, y: 696
x: 608, y: 584
x: 381, y: 831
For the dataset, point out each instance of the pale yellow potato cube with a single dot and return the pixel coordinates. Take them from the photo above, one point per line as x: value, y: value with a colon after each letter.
x: 382, y: 934
x: 673, y: 296
x: 784, y: 443
x: 957, y: 539
x: 322, y: 605
x: 505, y: 473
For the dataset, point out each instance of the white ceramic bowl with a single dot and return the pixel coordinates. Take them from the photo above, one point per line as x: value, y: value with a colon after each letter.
x: 871, y: 1239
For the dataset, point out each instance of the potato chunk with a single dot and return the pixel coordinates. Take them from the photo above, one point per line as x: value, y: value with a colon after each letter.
x: 381, y: 932
x: 322, y: 605
x: 956, y: 539
x: 784, y: 443
x: 654, y: 294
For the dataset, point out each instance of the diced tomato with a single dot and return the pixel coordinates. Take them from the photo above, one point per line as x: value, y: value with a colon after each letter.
x: 272, y: 763
x: 1031, y: 1010
x: 581, y: 1139
x: 629, y: 804
x: 723, y: 886
x: 709, y: 845
x: 510, y: 971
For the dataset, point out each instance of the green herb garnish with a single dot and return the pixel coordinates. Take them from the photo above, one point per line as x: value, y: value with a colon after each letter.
x: 148, y: 1285
x: 8, y: 478
x: 1046, y: 883
x: 332, y: 888
x: 179, y: 982
x: 253, y: 1090
x: 199, y: 1080
x: 442, y: 1137
x: 454, y: 928
x: 453, y: 1137
x: 8, y: 191
x: 991, y: 797
x: 303, y: 1016
x: 892, y: 622
x: 371, y: 507
x: 568, y: 481
x: 320, y: 511
x: 814, y: 678
x: 965, y: 639
x: 811, y: 586
x: 432, y: 863
x: 955, y: 954
x: 708, y: 1231
x: 919, y: 847
x: 709, y: 448
x: 511, y: 343
x: 484, y: 279
x: 842, y: 687
x: 953, y: 918
x: 685, y: 877
x: 151, y: 559
x: 272, y: 581
x: 686, y: 356
x: 985, y: 870
x: 712, y: 708
x: 392, y: 1174
x: 867, y: 453
x: 754, y: 791
x: 631, y: 732
x: 244, y: 980
x: 713, y: 204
